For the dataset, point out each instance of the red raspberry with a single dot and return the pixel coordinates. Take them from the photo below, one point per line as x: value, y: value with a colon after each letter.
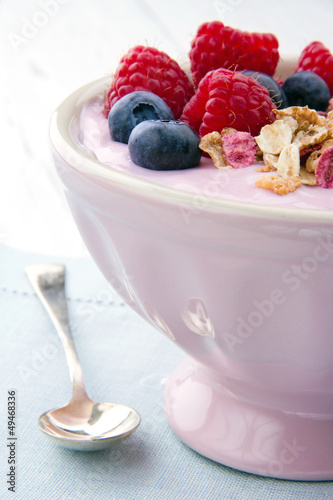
x: 146, y: 68
x: 218, y: 46
x: 318, y: 59
x: 229, y: 99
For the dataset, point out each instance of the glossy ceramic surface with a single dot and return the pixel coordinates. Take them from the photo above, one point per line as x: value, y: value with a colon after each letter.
x: 245, y: 290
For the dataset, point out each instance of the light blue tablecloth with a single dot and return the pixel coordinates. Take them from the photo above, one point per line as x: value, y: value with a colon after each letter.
x: 124, y: 360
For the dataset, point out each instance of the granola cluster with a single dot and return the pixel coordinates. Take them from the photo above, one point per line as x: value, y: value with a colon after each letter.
x: 230, y: 148
x: 297, y: 148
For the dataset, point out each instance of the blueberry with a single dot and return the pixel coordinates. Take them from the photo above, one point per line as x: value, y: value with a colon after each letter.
x: 164, y: 145
x: 276, y: 93
x: 307, y: 89
x: 134, y: 108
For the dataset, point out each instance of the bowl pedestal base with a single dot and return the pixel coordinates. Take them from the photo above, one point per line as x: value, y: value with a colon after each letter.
x: 244, y: 436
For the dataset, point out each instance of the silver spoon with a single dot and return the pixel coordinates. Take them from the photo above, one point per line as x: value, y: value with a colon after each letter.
x: 82, y: 424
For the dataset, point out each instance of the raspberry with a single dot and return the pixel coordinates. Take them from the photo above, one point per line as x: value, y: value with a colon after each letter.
x: 218, y: 46
x: 229, y: 99
x: 146, y: 68
x: 318, y: 59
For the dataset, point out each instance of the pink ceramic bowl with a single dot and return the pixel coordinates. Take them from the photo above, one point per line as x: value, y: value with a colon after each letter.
x: 245, y: 290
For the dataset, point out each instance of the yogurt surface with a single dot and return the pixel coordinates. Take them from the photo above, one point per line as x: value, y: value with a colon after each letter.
x: 91, y: 132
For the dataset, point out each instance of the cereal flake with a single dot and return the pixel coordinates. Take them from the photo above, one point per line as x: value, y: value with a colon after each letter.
x: 274, y: 137
x: 307, y: 178
x: 303, y: 115
x: 288, y: 164
x: 212, y: 144
x: 313, y: 158
x: 310, y: 137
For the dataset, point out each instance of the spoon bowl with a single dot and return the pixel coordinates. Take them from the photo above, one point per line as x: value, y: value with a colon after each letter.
x: 82, y: 424
x: 106, y: 425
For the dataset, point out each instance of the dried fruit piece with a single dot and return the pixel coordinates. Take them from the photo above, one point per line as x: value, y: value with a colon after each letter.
x: 212, y: 144
x: 278, y: 185
x: 324, y: 169
x: 227, y: 130
x: 305, y: 152
x: 273, y: 138
x: 239, y: 148
x: 289, y: 162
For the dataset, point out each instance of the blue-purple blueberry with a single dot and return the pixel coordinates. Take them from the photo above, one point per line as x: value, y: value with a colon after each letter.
x: 305, y: 88
x: 134, y: 108
x: 276, y: 92
x: 164, y: 145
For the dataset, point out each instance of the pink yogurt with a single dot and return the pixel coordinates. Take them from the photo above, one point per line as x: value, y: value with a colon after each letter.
x: 92, y: 133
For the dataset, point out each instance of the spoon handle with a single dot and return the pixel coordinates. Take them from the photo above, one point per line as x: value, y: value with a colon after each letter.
x: 48, y: 281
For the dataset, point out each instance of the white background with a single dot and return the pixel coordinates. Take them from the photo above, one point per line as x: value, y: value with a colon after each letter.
x: 49, y: 48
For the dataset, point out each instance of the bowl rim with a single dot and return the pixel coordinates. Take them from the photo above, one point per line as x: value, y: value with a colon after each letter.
x: 73, y: 154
